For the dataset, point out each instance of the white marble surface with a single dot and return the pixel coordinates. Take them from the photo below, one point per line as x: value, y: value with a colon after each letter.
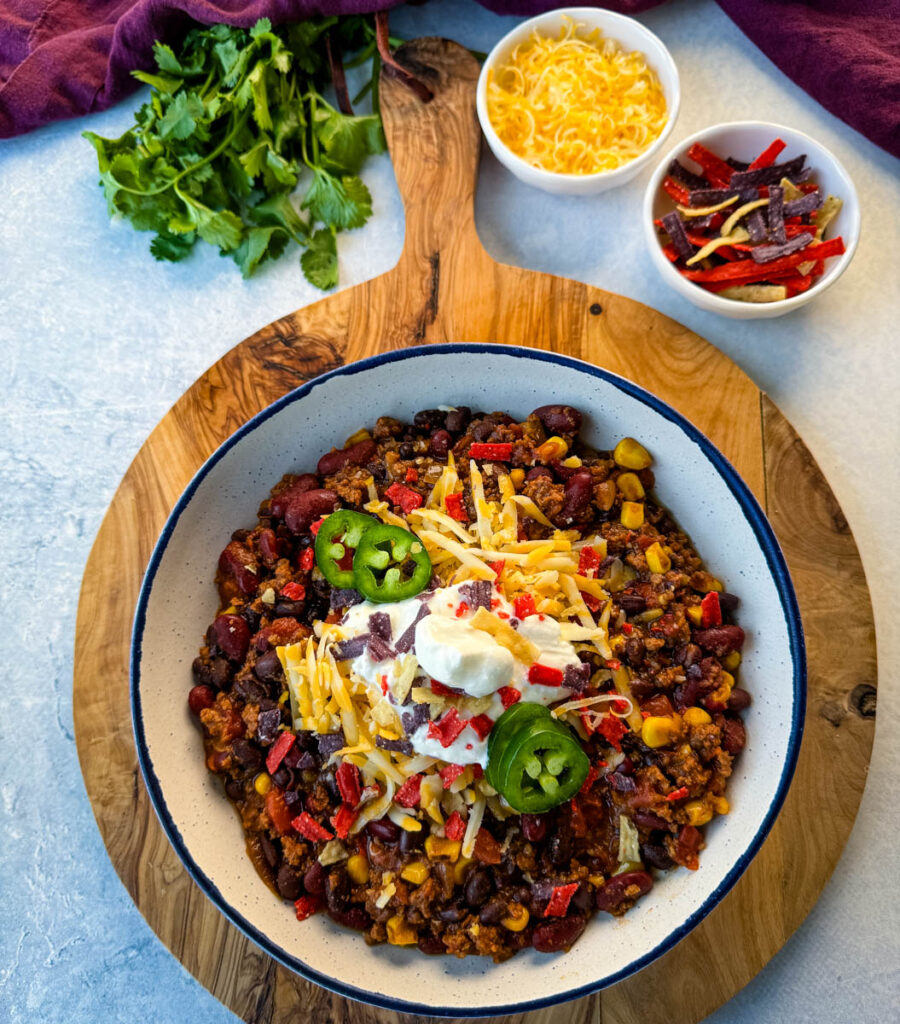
x: 97, y: 340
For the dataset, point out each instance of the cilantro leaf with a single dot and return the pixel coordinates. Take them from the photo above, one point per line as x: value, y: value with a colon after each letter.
x: 319, y: 260
x: 161, y: 83
x: 180, y: 119
x: 167, y: 246
x: 347, y: 141
x: 278, y: 211
x: 342, y: 202
x: 258, y: 245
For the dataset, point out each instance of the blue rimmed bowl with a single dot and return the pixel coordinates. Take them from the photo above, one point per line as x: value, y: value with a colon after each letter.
x: 178, y: 600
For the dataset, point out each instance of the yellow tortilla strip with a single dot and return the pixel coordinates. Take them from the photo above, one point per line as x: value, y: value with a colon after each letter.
x: 738, y: 235
x: 755, y: 292
x: 520, y: 647
x: 703, y: 211
x: 742, y: 211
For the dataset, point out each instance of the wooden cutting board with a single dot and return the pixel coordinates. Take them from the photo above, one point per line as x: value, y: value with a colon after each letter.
x: 446, y: 288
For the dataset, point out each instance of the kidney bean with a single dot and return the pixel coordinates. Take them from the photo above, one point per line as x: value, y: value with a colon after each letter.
x: 642, y: 688
x: 355, y: 455
x: 559, y: 934
x: 734, y: 735
x: 479, y: 886
x: 268, y: 668
x: 441, y: 443
x: 612, y: 895
x: 289, y: 883
x: 559, y: 419
x: 647, y: 819
x: 739, y: 700
x: 656, y: 855
x: 303, y: 483
x: 337, y: 890
x: 538, y: 471
x: 577, y: 496
x: 721, y: 640
x: 632, y: 603
x: 306, y: 508
x: 356, y: 918
x: 232, y: 636
x: 430, y: 944
x: 410, y: 841
x: 687, y: 695
x: 200, y: 697
x: 385, y: 830
x: 534, y: 827
x: 458, y: 419
x: 238, y: 562
x: 564, y: 472
x: 271, y: 548
x: 494, y: 911
x: 626, y: 766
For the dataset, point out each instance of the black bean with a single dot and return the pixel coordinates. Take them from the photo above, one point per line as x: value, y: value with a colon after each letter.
x: 247, y: 754
x: 235, y: 789
x: 634, y: 651
x: 478, y: 887
x: 728, y: 602
x: 268, y: 668
x: 289, y: 609
x: 406, y: 451
x: 430, y: 419
x: 337, y: 890
x: 410, y: 841
x: 656, y: 855
x: 458, y: 419
x: 453, y: 914
x: 559, y: 419
x: 289, y: 883
x: 267, y: 724
x: 632, y: 603
x: 739, y: 700
x: 560, y: 846
x: 494, y: 912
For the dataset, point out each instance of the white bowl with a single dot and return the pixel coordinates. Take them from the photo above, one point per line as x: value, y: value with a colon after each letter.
x: 745, y: 140
x: 630, y: 35
x: 178, y: 600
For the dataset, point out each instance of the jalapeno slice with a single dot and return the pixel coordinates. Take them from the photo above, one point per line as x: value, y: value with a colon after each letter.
x: 338, y: 538
x: 537, y: 762
x: 390, y: 564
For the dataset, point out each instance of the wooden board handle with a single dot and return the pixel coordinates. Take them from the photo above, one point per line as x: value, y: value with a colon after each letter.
x: 434, y: 148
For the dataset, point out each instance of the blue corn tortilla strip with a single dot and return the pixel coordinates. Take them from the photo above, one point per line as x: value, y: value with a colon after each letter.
x: 702, y: 223
x: 330, y: 742
x: 380, y: 625
x: 769, y: 175
x: 805, y: 204
x: 776, y: 214
x: 477, y: 594
x: 756, y: 227
x: 576, y: 677
x: 408, y: 637
x: 767, y: 253
x: 379, y: 649
x: 738, y: 165
x: 344, y: 598
x: 401, y: 746
x: 709, y: 196
x: 675, y: 230
x: 352, y: 648
x: 679, y: 172
x: 417, y: 715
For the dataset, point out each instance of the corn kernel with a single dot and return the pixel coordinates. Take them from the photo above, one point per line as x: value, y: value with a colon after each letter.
x: 572, y: 462
x: 632, y: 455
x: 696, y: 716
x: 695, y: 614
x: 399, y: 932
x: 361, y: 435
x: 461, y: 869
x: 721, y: 805
x: 552, y: 448
x: 617, y: 642
x: 410, y: 824
x: 358, y: 869
x: 716, y: 585
x: 416, y: 872
x: 435, y: 846
x: 630, y: 486
x: 262, y: 783
x: 518, y: 477
x: 632, y: 515
x: 659, y: 730
x: 517, y: 918
x: 731, y: 660
x: 698, y: 813
x: 657, y: 559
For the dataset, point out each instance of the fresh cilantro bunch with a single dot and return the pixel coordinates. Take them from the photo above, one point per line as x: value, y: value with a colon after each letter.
x: 235, y: 122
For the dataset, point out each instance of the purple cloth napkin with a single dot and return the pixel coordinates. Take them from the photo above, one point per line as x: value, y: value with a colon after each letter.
x: 62, y: 58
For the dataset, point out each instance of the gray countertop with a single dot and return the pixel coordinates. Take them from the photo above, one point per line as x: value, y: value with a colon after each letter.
x: 97, y: 341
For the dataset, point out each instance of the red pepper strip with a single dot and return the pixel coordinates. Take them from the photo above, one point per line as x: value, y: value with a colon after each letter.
x: 309, y: 828
x: 670, y: 252
x: 592, y: 776
x: 746, y: 273
x: 409, y: 794
x: 348, y: 782
x: 726, y: 252
x: 710, y: 610
x: 455, y: 826
x: 613, y: 664
x: 293, y: 591
x: 277, y: 751
x: 767, y: 157
x: 342, y: 821
x: 560, y: 900
x: 545, y: 675
x: 807, y: 186
x: 482, y: 724
x: 612, y: 729
x: 407, y: 499
x: 316, y: 526
x: 277, y: 811
x: 306, y: 906
x: 497, y: 567
x: 509, y: 695
x: 455, y: 508
x: 412, y: 475
x: 677, y: 794
x: 501, y: 450
x: 678, y: 192
x: 588, y: 562
x: 717, y: 172
x: 443, y: 691
x: 450, y: 773
x: 307, y: 559
x: 447, y: 728
x: 524, y: 606
x: 797, y: 284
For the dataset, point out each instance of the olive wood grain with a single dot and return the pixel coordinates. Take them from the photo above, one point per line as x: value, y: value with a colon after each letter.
x: 445, y: 287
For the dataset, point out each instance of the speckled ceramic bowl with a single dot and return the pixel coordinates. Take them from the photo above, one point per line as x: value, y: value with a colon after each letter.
x: 178, y: 600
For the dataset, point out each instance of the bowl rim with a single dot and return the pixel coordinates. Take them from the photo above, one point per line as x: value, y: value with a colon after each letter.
x: 600, y: 14
x: 712, y: 302
x: 775, y: 561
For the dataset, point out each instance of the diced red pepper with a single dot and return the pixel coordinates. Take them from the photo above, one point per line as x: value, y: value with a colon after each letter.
x: 462, y: 609
x: 749, y: 272
x: 502, y: 615
x: 499, y: 450
x: 447, y: 728
x: 593, y: 603
x: 560, y: 900
x: 612, y: 729
x: 277, y: 811
x: 482, y: 724
x: 586, y: 721
x: 613, y: 664
x: 718, y: 172
x: 316, y: 526
x: 487, y: 849
x: 620, y: 706
x: 348, y: 782
x: 293, y: 591
x: 676, y: 190
x: 307, y: 559
x: 509, y: 695
x: 710, y: 610
x: 545, y: 675
x: 677, y: 794
x: 455, y: 826
x: 497, y: 567
x: 524, y: 606
x: 310, y: 829
x: 409, y: 794
x: 341, y: 822
x: 627, y: 628
x: 407, y: 499
x: 592, y: 776
x: 455, y: 508
x: 412, y: 475
x: 277, y: 751
x: 450, y: 773
x: 689, y: 841
x: 767, y: 157
x: 588, y: 562
x: 443, y: 691
x: 306, y: 906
